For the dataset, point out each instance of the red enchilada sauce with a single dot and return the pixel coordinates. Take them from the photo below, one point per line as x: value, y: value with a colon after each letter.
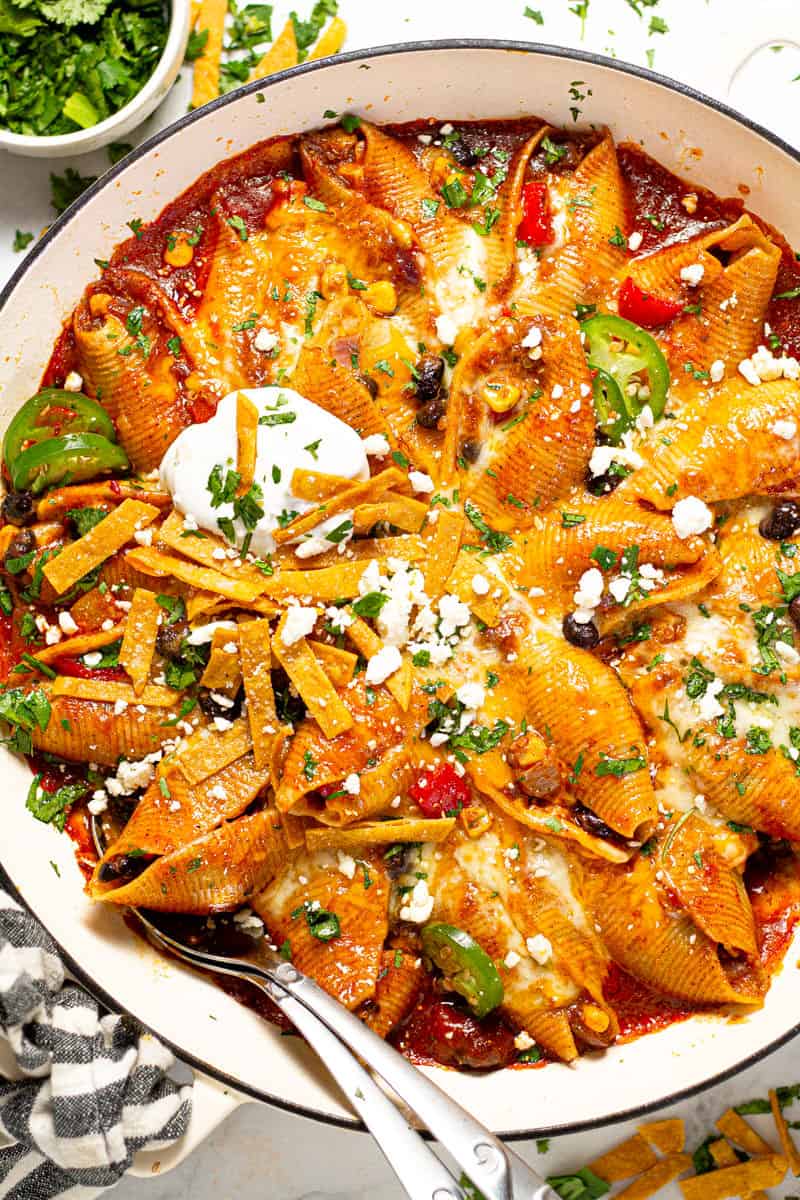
x: 661, y: 208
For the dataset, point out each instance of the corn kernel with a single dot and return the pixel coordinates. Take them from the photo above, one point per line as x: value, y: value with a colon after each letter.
x: 595, y: 1019
x: 333, y: 281
x: 98, y: 304
x: 402, y: 233
x: 475, y: 819
x: 178, y: 252
x: 382, y: 297
x: 501, y: 397
x: 440, y: 170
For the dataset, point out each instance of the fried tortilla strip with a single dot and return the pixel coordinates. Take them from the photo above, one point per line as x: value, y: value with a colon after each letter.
x: 724, y: 1155
x: 443, y: 552
x: 410, y: 547
x: 339, y: 665
x: 381, y: 833
x: 656, y: 1177
x: 281, y: 54
x: 206, y: 68
x: 208, y: 751
x: 350, y: 497
x: 256, y: 661
x: 82, y: 643
x: 246, y: 442
x: 668, y: 1136
x: 89, y: 551
x: 316, y: 689
x: 331, y: 41
x: 205, y: 550
x: 367, y: 642
x: 113, y: 692
x: 470, y: 573
x: 56, y: 504
x: 631, y: 1157
x: 139, y: 643
x: 787, y: 1143
x: 317, y: 486
x: 737, y: 1130
x: 153, y: 562
x: 223, y: 672
x: 403, y: 512
x: 324, y: 584
x: 740, y: 1180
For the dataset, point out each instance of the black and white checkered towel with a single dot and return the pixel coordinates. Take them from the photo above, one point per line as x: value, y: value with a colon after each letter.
x: 80, y: 1092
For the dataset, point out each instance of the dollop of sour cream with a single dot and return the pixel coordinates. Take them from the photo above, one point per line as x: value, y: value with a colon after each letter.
x: 295, y: 433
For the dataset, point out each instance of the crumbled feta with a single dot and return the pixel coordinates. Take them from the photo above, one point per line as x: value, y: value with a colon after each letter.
x: 511, y: 960
x: 98, y: 803
x: 52, y: 635
x: 246, y: 920
x: 376, y: 444
x: 420, y: 482
x: 480, y: 585
x: 782, y: 429
x: 425, y: 138
x: 73, y: 382
x: 691, y: 516
x: 92, y: 659
x: 707, y: 705
x: 645, y: 419
x: 312, y: 546
x: 446, y: 130
x: 762, y: 367
x: 383, y: 664
x: 523, y: 1041
x: 716, y: 371
x: 418, y: 904
x: 346, y: 864
x: 540, y: 948
x: 339, y: 619
x: 603, y: 456
x: 453, y: 613
x: 619, y: 588
x: 299, y: 623
x: 693, y: 274
x: 446, y: 329
x: 130, y: 777
x: 532, y: 339
x: 557, y: 391
x: 590, y: 589
x: 471, y: 695
x: 352, y: 784
x: 635, y: 241
x: 266, y: 340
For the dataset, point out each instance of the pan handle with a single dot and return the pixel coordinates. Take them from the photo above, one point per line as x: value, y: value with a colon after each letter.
x: 212, y: 1103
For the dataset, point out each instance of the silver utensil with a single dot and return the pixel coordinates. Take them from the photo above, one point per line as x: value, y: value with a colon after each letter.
x: 329, y: 1028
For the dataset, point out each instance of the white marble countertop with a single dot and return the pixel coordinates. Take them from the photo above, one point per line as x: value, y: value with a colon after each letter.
x: 262, y: 1152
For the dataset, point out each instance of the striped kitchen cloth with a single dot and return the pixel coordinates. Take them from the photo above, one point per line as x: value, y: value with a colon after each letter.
x: 80, y: 1092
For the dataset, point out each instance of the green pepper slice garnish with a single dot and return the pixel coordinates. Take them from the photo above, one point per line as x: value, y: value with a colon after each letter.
x: 70, y: 458
x: 467, y: 968
x: 612, y: 415
x: 51, y: 413
x: 632, y: 359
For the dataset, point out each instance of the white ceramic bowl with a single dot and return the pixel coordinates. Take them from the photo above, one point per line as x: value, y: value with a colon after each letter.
x: 127, y: 118
x: 688, y: 132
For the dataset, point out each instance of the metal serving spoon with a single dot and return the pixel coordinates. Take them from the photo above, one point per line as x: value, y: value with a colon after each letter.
x: 329, y: 1028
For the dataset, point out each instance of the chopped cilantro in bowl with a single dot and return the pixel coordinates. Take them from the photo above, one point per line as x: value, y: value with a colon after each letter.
x: 67, y: 65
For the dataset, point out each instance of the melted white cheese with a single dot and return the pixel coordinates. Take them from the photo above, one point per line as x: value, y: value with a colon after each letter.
x: 281, y: 448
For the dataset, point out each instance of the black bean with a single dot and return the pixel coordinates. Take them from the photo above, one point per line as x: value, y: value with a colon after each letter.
x: 592, y: 824
x: 794, y: 611
x: 21, y: 544
x: 601, y: 485
x: 580, y: 633
x: 471, y: 450
x: 428, y: 377
x: 18, y: 508
x: 782, y: 522
x: 170, y: 639
x: 122, y: 866
x: 213, y: 708
x: 431, y: 413
x: 462, y: 153
x: 369, y: 383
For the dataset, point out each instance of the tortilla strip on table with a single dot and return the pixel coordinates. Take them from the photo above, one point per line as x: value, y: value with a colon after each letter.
x: 206, y: 68
x: 82, y: 556
x: 281, y: 54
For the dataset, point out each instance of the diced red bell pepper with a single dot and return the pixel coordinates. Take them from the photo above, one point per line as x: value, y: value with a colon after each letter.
x: 536, y: 226
x: 643, y: 309
x: 440, y: 791
x: 69, y: 665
